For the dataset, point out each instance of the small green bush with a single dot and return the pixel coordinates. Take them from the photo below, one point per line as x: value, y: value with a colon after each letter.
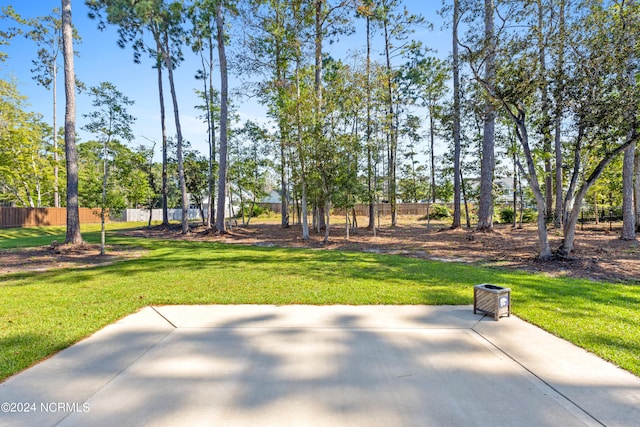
x: 257, y: 211
x: 506, y: 215
x: 529, y: 215
x: 438, y: 212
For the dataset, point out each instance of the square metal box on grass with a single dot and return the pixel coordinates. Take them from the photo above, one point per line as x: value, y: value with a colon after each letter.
x: 492, y: 299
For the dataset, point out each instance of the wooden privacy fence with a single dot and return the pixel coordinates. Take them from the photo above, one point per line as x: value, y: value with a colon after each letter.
x: 385, y: 209
x: 31, y: 217
x: 363, y: 210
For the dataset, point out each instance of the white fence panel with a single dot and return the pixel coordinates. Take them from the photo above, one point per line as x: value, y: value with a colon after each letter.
x: 142, y: 215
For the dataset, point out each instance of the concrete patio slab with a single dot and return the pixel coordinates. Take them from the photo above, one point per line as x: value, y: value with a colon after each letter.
x: 320, y: 365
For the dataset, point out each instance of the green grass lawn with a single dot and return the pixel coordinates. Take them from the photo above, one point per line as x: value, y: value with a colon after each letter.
x: 42, y: 236
x: 41, y: 313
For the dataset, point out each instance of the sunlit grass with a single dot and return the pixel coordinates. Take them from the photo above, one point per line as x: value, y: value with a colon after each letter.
x: 42, y: 236
x: 41, y: 313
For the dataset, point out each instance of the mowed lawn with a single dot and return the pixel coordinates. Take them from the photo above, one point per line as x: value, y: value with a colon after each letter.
x: 43, y: 312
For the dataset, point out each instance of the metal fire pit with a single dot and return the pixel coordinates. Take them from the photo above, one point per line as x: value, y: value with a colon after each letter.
x: 492, y: 299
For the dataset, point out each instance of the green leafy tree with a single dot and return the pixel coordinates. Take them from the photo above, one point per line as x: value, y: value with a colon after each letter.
x: 164, y: 21
x: 413, y: 183
x: 273, y: 41
x: 426, y: 81
x: 7, y: 33
x: 109, y: 120
x: 129, y: 185
x: 202, y: 41
x: 397, y: 24
x: 605, y: 106
x: 601, y: 105
x: 211, y: 109
x: 252, y: 165
x: 46, y: 32
x: 26, y: 170
x: 605, y: 195
x: 196, y: 176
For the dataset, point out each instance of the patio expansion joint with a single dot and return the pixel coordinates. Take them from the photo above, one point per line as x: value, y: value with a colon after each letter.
x: 548, y: 384
x: 165, y: 319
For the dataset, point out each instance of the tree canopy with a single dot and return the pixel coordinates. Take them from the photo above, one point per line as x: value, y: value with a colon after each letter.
x: 543, y: 92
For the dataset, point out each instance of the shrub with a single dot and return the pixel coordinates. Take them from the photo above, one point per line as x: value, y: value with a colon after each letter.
x: 439, y: 212
x: 529, y: 215
x: 257, y: 211
x: 506, y: 215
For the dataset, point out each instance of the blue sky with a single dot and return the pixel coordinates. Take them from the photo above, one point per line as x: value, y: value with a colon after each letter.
x: 100, y: 59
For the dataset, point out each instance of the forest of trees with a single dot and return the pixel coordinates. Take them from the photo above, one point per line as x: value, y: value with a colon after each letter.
x: 542, y: 94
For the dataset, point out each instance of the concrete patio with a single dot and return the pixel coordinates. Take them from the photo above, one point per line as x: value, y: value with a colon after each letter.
x: 248, y: 365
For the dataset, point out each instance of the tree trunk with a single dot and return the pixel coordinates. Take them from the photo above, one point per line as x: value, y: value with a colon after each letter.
x: 485, y: 210
x: 211, y: 181
x: 241, y: 205
x: 28, y: 193
x: 521, y: 210
x: 545, y: 106
x: 210, y: 129
x: 354, y: 222
x: 253, y: 205
x: 38, y: 189
x: 393, y: 142
x: 212, y: 139
x: 636, y: 191
x: 541, y: 203
x: 323, y: 209
x: 56, y: 157
x: 105, y: 178
x: 304, y: 212
x: 346, y: 224
x: 280, y: 70
x: 432, y: 154
x: 304, y: 204
x: 327, y: 216
x: 73, y: 215
x: 464, y: 198
x: 284, y: 193
x: 628, y: 211
x: 370, y: 177
x: 573, y: 216
x: 224, y: 94
x: 559, y: 95
x: 557, y: 220
x: 456, y: 120
x: 232, y: 213
x: 414, y: 179
x: 515, y: 187
x: 183, y: 185
x: 163, y: 125
x: 151, y: 184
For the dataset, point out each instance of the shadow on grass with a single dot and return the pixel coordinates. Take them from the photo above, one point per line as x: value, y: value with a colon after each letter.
x: 185, y: 272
